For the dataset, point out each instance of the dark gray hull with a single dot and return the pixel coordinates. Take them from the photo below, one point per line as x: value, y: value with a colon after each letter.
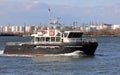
x: 87, y: 48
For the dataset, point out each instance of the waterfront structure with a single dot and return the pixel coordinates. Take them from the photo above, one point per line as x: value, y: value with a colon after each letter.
x: 35, y: 29
x: 17, y: 28
x: 115, y: 26
x: 100, y: 26
x: 1, y: 29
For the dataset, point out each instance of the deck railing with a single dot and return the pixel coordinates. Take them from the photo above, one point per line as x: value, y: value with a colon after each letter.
x: 21, y: 43
x: 18, y: 43
x: 89, y: 40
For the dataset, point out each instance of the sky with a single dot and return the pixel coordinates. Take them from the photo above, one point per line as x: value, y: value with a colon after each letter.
x: 35, y: 12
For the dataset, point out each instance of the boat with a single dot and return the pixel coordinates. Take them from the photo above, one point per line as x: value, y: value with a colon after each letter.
x: 54, y: 41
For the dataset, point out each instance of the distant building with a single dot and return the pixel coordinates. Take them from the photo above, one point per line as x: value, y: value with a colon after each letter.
x: 101, y: 26
x: 1, y: 29
x: 115, y: 27
x: 14, y: 28
x: 18, y: 29
x: 21, y: 29
x: 29, y: 29
x: 84, y: 28
x: 35, y: 29
x: 5, y: 29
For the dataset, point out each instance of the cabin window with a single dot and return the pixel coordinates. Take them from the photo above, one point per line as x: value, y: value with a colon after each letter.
x: 75, y: 35
x: 70, y: 35
x: 40, y: 39
x: 37, y: 39
x: 52, y: 39
x: 57, y: 39
x: 47, y: 39
x: 43, y: 39
x: 65, y: 34
x: 58, y: 34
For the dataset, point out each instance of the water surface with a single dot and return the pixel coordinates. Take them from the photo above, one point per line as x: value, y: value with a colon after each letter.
x: 105, y: 62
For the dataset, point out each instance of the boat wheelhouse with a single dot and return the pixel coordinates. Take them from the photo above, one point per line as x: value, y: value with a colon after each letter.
x: 55, y: 36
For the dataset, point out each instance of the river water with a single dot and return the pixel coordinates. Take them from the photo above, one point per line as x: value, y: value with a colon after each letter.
x: 105, y: 62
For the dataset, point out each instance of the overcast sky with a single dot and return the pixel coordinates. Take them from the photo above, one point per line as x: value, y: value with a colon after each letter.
x: 34, y: 12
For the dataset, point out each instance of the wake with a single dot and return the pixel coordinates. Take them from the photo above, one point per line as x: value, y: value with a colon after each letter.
x: 16, y: 55
x: 1, y: 52
x: 75, y: 53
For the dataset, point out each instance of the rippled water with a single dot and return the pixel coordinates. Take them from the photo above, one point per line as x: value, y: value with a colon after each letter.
x: 105, y: 62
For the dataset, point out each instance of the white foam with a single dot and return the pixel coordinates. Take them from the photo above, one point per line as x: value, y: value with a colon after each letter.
x: 58, y: 57
x: 75, y: 53
x: 17, y: 55
x: 1, y: 51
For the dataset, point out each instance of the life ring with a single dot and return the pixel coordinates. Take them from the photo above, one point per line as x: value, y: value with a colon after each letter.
x: 51, y: 32
x: 44, y: 31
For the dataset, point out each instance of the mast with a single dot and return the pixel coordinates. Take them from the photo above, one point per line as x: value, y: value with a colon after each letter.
x: 49, y: 15
x: 49, y: 12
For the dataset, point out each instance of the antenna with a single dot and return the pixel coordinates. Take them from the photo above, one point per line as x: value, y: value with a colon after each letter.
x: 49, y: 12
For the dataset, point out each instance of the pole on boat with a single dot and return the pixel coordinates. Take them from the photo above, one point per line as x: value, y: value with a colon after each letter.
x: 49, y: 12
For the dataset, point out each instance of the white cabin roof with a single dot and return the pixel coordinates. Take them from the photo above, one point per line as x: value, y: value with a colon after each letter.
x: 72, y: 31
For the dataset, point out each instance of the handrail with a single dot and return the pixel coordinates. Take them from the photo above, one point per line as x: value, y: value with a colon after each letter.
x: 89, y: 40
x: 18, y: 43
x: 21, y: 43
